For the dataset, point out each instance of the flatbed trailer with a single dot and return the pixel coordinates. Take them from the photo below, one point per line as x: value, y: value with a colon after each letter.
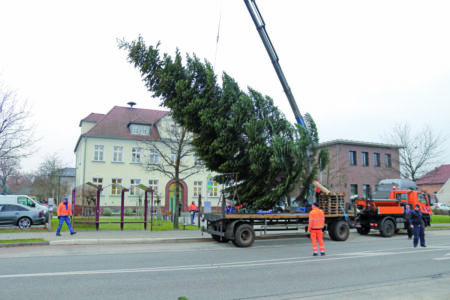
x: 239, y: 228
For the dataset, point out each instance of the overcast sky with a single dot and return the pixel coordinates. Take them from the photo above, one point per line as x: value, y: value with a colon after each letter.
x: 358, y: 67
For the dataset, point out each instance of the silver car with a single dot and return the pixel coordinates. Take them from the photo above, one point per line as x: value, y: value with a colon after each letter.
x: 21, y: 215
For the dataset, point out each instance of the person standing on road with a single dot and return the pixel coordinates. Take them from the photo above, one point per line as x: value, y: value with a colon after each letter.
x: 416, y: 220
x: 64, y: 212
x: 408, y: 222
x: 315, y: 227
x: 192, y: 210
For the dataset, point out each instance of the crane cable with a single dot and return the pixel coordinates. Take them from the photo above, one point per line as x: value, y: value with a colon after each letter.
x: 218, y: 33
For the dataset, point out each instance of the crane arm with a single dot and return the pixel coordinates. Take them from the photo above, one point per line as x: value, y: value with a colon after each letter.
x: 261, y: 27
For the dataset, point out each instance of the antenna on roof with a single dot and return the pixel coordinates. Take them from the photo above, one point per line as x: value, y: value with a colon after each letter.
x: 131, y: 104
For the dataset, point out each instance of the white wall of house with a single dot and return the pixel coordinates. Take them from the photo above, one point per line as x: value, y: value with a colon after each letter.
x: 110, y: 160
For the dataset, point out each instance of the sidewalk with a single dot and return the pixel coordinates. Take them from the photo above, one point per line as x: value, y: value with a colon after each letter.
x: 93, y: 237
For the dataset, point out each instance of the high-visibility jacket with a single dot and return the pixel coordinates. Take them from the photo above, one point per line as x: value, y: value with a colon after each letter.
x: 316, y: 219
x: 63, y: 211
x: 192, y: 207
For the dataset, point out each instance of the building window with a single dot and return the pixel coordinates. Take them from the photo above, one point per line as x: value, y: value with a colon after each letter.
x: 134, y: 183
x: 98, y: 152
x: 214, y: 191
x: 366, y: 189
x: 365, y: 159
x: 387, y: 160
x: 376, y: 160
x: 154, y: 157
x: 116, y: 186
x: 197, y: 188
x: 117, y: 154
x: 153, y: 184
x: 197, y: 161
x: 352, y: 158
x: 173, y: 156
x: 353, y: 189
x: 98, y: 181
x: 136, y: 155
x: 139, y: 129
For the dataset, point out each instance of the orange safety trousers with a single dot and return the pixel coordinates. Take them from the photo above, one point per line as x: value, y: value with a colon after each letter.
x: 317, y: 235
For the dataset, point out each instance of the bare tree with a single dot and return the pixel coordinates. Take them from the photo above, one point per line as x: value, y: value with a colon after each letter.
x: 15, y: 136
x: 420, y: 152
x: 8, y: 167
x: 47, y: 180
x: 172, y: 153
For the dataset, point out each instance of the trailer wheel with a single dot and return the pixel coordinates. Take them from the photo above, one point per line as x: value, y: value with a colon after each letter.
x: 339, y: 231
x: 364, y: 230
x: 244, y: 236
x: 388, y: 228
x: 331, y: 231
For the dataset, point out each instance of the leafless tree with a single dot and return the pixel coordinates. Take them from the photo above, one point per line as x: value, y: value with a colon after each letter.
x: 15, y: 135
x: 47, y: 180
x: 172, y: 153
x: 8, y: 167
x: 420, y: 152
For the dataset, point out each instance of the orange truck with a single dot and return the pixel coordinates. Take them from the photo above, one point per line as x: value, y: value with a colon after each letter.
x: 388, y: 215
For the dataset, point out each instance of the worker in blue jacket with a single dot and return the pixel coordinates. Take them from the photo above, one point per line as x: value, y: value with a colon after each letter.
x: 416, y: 221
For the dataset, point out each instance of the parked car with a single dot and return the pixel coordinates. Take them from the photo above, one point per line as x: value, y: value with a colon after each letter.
x: 21, y: 215
x: 24, y: 200
x: 442, y: 206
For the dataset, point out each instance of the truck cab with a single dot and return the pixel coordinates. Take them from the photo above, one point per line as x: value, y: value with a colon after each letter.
x: 388, y: 215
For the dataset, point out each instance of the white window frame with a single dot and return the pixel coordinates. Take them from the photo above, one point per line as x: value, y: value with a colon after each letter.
x: 117, y: 154
x: 140, y: 129
x: 154, y: 185
x: 153, y: 157
x: 99, y: 153
x: 173, y: 156
x: 134, y: 183
x: 136, y: 155
x: 214, y: 189
x: 197, y: 161
x: 197, y: 187
x: 115, y: 191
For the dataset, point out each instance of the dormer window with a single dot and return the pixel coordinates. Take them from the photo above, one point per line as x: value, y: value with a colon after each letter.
x: 140, y: 129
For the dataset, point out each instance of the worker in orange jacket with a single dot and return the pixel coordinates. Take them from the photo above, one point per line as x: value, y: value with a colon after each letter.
x: 315, y: 227
x: 192, y: 210
x: 64, y: 212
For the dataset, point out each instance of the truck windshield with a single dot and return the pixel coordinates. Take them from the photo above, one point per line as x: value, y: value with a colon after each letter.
x: 401, y: 196
x: 422, y: 198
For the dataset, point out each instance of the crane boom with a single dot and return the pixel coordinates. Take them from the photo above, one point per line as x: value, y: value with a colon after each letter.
x: 261, y: 27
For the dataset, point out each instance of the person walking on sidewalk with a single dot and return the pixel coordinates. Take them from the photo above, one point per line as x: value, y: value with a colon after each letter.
x: 64, y: 212
x: 315, y: 227
x: 416, y: 220
x: 408, y: 222
x: 192, y: 210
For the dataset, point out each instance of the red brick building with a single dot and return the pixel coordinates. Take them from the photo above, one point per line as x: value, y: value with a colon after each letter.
x: 433, y: 181
x: 354, y: 166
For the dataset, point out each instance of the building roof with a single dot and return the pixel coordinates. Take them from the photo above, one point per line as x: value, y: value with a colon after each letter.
x: 115, y: 124
x: 439, y: 175
x: 358, y: 143
x: 93, y: 117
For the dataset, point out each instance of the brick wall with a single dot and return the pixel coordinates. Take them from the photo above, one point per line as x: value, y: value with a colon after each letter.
x: 340, y: 175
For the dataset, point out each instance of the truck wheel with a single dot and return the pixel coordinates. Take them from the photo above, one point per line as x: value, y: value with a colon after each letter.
x: 217, y: 238
x: 331, y: 230
x: 244, y: 236
x: 339, y: 231
x: 364, y: 230
x: 388, y: 228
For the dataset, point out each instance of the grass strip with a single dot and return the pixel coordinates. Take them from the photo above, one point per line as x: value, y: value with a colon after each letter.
x: 20, y: 241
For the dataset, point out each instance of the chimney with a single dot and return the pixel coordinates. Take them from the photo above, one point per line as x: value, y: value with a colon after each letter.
x: 131, y: 104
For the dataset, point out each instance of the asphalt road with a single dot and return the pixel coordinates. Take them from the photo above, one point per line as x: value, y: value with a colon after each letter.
x: 363, y: 267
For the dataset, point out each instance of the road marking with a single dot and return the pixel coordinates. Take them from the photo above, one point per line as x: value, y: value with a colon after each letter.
x: 228, y: 265
x: 447, y: 257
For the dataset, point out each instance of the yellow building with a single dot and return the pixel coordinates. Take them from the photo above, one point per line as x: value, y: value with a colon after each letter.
x: 121, y: 147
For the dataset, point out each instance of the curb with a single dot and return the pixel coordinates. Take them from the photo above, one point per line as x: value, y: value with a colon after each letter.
x: 46, y: 243
x: 126, y: 241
